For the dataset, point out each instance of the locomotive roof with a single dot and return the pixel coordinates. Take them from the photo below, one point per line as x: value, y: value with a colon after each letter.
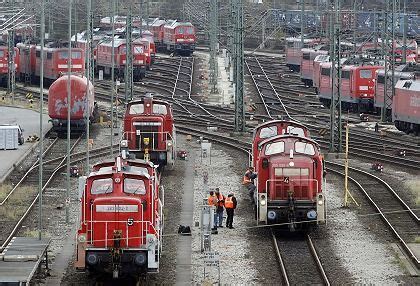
x: 408, y: 84
x: 138, y: 161
x: 136, y: 101
x: 277, y: 121
x: 107, y: 41
x: 285, y: 136
x: 407, y: 71
x: 158, y: 22
x: 110, y: 171
x: 174, y: 23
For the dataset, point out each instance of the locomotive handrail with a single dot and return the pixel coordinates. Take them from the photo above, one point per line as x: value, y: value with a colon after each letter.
x: 153, y: 147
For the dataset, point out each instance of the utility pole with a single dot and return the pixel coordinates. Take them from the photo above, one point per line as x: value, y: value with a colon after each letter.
x: 389, y: 56
x: 335, y: 108
x: 213, y: 46
x: 69, y: 60
x: 112, y: 74
x: 405, y: 28
x: 41, y: 106
x: 88, y: 76
x: 302, y: 22
x: 11, y: 64
x: 238, y: 68
x: 129, y: 56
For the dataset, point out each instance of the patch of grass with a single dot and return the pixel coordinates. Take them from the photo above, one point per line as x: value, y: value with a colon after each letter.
x: 414, y: 186
x: 8, y: 213
x: 4, y: 190
x: 417, y: 239
x: 34, y: 233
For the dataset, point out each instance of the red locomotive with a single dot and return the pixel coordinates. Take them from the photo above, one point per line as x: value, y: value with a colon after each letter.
x: 294, y: 51
x: 406, y: 106
x: 290, y: 182
x: 158, y: 31
x: 149, y: 37
x: 57, y: 103
x: 150, y: 131
x: 55, y: 61
x: 407, y: 71
x: 179, y: 37
x: 4, y: 63
x: 316, y: 76
x: 104, y: 58
x: 307, y: 63
x: 121, y: 220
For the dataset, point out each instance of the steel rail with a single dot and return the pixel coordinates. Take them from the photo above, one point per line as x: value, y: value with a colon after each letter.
x: 317, y: 260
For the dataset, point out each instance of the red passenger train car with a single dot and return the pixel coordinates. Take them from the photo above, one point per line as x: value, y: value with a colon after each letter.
x: 79, y: 109
x: 4, y: 64
x: 104, y: 57
x: 290, y: 182
x: 150, y: 131
x: 406, y: 106
x: 121, y: 220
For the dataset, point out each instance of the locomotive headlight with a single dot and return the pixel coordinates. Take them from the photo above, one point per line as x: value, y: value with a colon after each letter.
x: 169, y: 144
x: 320, y: 202
x: 92, y: 259
x: 124, y: 143
x: 81, y: 238
x: 140, y: 259
x: 263, y: 202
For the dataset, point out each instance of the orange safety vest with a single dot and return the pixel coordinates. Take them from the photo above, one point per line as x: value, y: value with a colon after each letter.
x: 229, y: 203
x: 221, y: 198
x: 212, y: 200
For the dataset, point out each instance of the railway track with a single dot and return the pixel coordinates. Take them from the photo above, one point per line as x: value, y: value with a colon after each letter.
x: 294, y: 255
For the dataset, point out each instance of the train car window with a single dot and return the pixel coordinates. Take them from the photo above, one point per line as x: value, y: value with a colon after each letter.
x: 138, y: 50
x: 160, y: 109
x: 139, y: 170
x: 136, y: 109
x: 181, y: 31
x: 1, y: 54
x: 38, y: 54
x: 268, y: 132
x: 290, y: 44
x: 325, y: 72
x: 306, y: 56
x: 134, y: 186
x: 295, y: 131
x: 190, y: 31
x: 304, y: 148
x: 365, y: 74
x: 274, y: 148
x: 76, y: 55
x: 63, y: 55
x: 123, y: 50
x: 49, y: 56
x: 381, y: 79
x: 345, y: 74
x: 101, y: 186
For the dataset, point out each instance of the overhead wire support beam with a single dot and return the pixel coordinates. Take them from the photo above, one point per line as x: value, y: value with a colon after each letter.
x: 238, y: 69
x: 213, y: 41
x: 335, y: 108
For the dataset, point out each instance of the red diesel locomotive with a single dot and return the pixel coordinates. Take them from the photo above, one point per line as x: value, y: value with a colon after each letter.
x: 150, y: 131
x: 79, y: 108
x: 179, y: 37
x: 4, y: 64
x: 406, y: 106
x: 121, y: 220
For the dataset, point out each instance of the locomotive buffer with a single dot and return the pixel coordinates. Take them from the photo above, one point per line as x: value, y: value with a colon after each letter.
x: 21, y: 258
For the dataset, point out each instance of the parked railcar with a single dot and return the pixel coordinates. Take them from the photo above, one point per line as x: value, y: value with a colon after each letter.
x: 104, y: 58
x: 150, y: 131
x: 158, y: 31
x: 290, y: 182
x: 4, y: 64
x: 149, y: 37
x: 316, y: 75
x: 179, y: 37
x: 307, y: 62
x: 57, y: 103
x: 293, y: 51
x: 121, y: 220
x: 406, y: 106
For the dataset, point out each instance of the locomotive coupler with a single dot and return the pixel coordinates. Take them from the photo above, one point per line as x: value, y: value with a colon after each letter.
x: 116, y: 253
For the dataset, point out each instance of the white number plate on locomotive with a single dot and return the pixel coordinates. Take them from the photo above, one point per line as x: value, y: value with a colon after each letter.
x: 117, y: 208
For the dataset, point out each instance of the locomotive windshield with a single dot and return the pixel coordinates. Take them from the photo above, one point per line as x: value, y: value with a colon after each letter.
x: 268, y: 132
x: 274, y: 148
x: 304, y: 148
x: 138, y: 50
x: 365, y: 74
x: 295, y: 131
x: 1, y: 53
x: 65, y: 55
x: 134, y: 186
x: 160, y: 109
x: 136, y: 108
x: 101, y: 186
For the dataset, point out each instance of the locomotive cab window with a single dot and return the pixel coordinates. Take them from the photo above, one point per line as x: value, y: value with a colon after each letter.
x: 160, y: 109
x: 345, y: 74
x: 49, y: 56
x: 102, y: 186
x: 76, y: 55
x: 137, y: 50
x: 268, y: 132
x: 306, y: 56
x: 381, y: 79
x: 134, y: 186
x: 274, y: 148
x: 190, y: 31
x: 181, y: 31
x: 1, y: 54
x: 325, y: 72
x: 295, y: 131
x: 304, y: 148
x: 38, y: 54
x: 365, y: 74
x: 136, y: 109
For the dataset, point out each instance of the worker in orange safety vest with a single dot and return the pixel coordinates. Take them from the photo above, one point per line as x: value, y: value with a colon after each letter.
x: 219, y: 208
x: 230, y: 205
x: 212, y: 201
